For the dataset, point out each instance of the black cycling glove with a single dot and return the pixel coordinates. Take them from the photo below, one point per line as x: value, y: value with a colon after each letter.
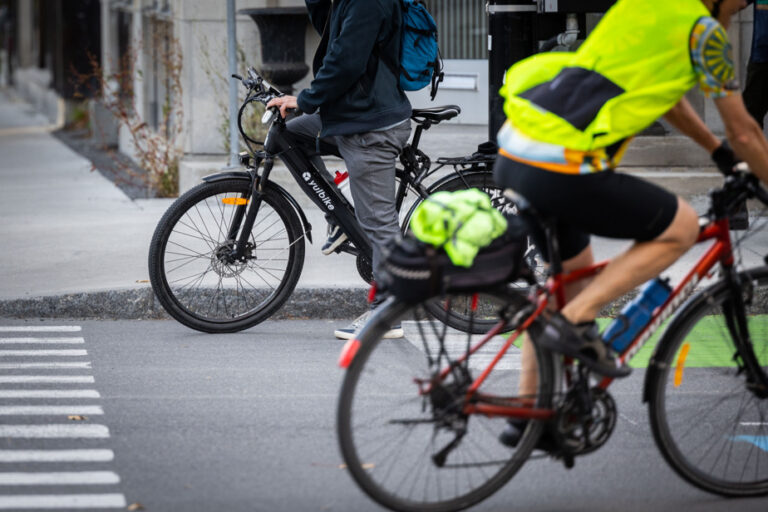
x: 725, y: 158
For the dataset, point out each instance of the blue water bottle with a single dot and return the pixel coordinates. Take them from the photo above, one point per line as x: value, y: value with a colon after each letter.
x: 636, y: 314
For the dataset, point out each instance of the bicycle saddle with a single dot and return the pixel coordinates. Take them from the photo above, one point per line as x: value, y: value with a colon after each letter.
x: 435, y: 114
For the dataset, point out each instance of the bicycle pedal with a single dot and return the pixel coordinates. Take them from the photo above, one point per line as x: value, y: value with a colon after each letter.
x: 346, y: 247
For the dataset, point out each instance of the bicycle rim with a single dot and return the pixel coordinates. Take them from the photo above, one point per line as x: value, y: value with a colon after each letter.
x: 392, y: 436
x: 710, y: 426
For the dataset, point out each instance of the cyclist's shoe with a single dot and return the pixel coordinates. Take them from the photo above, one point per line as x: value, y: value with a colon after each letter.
x: 350, y: 331
x: 336, y: 237
x: 512, y: 433
x: 582, y: 342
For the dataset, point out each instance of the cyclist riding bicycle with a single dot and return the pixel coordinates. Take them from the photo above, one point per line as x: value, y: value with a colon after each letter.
x: 570, y: 119
x: 355, y: 106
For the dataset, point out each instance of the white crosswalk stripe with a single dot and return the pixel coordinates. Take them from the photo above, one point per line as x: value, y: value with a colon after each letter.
x: 28, y: 414
x: 10, y: 456
x: 46, y: 379
x: 40, y: 353
x: 53, y: 431
x: 36, y: 410
x: 62, y: 501
x: 40, y: 328
x: 32, y: 341
x: 49, y: 393
x: 60, y: 478
x: 66, y: 365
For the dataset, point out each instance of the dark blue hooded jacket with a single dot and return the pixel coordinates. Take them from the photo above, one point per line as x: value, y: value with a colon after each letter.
x: 354, y: 89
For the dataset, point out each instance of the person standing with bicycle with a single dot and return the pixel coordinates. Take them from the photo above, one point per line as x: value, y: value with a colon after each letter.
x: 354, y: 102
x: 570, y: 119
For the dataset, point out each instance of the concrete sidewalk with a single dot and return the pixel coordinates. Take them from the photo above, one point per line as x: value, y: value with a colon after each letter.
x: 74, y: 245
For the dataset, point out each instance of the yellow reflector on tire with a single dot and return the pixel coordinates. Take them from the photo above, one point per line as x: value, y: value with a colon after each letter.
x: 235, y: 201
x: 681, y: 364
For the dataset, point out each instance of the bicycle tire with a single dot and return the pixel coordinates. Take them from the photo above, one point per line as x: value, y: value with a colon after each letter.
x: 378, y: 387
x: 459, y: 317
x: 711, y: 429
x: 202, y: 291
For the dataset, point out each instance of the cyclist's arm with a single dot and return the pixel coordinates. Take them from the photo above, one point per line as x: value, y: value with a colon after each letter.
x: 687, y: 121
x: 744, y: 134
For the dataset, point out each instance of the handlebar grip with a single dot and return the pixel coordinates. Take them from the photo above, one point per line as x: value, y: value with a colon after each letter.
x: 235, y: 75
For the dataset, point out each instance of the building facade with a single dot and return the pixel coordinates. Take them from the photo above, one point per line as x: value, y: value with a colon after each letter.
x: 43, y: 41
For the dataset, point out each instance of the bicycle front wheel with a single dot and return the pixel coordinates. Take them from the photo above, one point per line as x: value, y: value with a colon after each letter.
x: 193, y: 278
x: 709, y: 421
x: 405, y: 430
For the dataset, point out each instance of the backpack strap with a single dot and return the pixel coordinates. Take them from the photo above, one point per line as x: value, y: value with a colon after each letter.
x: 437, y: 76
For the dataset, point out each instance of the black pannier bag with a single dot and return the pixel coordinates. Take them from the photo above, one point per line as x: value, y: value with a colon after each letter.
x: 416, y: 271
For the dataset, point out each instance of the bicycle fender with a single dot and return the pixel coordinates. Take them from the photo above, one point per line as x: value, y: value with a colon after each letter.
x: 245, y: 176
x: 453, y: 175
x: 221, y: 176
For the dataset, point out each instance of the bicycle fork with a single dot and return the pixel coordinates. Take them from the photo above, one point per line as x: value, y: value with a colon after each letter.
x: 245, y: 215
x: 735, y: 313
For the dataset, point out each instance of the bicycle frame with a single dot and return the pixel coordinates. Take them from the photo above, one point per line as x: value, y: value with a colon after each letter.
x: 315, y: 183
x: 720, y: 252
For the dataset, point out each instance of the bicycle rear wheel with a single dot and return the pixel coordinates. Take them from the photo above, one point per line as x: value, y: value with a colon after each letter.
x: 485, y: 317
x: 188, y: 266
x: 404, y: 433
x: 709, y: 422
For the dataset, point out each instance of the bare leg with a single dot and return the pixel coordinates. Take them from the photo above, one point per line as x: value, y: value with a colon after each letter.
x: 528, y: 379
x: 643, y: 261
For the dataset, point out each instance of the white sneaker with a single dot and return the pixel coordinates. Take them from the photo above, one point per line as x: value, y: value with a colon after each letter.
x: 350, y: 331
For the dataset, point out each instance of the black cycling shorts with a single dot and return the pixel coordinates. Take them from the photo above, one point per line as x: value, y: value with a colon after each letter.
x: 604, y: 203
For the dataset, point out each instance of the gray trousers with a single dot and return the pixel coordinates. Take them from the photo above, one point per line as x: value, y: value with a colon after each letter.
x: 370, y: 159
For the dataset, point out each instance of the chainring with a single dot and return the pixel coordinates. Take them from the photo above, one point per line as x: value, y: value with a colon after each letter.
x: 580, y: 435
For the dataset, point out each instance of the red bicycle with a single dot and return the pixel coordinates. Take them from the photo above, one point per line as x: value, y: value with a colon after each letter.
x: 418, y: 419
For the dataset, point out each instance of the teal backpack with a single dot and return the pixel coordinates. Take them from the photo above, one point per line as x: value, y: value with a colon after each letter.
x: 420, y: 62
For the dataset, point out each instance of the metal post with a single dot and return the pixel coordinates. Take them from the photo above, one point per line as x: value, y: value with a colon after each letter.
x: 231, y: 51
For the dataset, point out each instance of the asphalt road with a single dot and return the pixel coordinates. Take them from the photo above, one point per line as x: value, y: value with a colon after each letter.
x: 182, y: 421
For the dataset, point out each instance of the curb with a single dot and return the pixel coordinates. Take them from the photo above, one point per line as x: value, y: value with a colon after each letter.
x: 140, y: 304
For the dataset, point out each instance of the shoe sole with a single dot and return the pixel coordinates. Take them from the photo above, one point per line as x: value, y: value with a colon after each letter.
x: 391, y: 334
x: 555, y: 344
x: 343, y: 335
x: 335, y: 245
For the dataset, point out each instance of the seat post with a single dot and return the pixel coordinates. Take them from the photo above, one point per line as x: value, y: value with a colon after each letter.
x: 553, y: 248
x: 417, y: 136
